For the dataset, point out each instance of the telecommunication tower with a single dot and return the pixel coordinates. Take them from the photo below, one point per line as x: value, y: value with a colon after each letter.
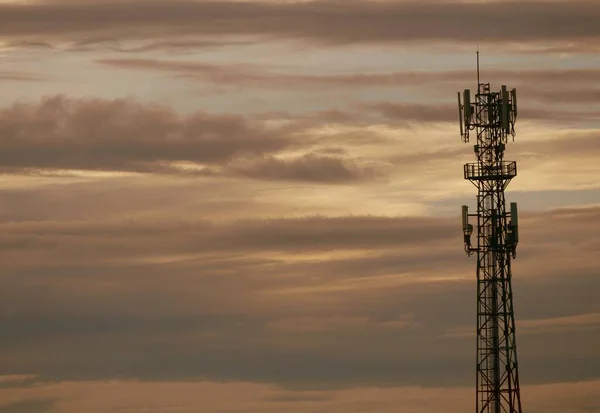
x: 491, y: 117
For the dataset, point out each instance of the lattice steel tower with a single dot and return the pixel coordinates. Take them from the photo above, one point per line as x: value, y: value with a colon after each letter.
x: 491, y: 116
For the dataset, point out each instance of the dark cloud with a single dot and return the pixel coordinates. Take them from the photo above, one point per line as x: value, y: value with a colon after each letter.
x: 122, y: 135
x: 31, y: 45
x: 331, y: 21
x: 583, y: 96
x: 28, y: 406
x: 172, y: 46
x: 416, y: 112
x: 569, y: 148
x: 184, y: 45
x: 291, y: 235
x: 60, y: 135
x: 20, y: 77
x: 310, y: 168
x: 113, y: 44
x: 131, y: 197
x: 300, y: 396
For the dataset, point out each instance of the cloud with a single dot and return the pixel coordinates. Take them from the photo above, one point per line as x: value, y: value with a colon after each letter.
x: 172, y: 46
x: 562, y: 96
x: 562, y: 323
x: 260, y: 76
x: 29, y: 406
x: 430, y: 113
x: 308, y: 234
x: 122, y: 135
x: 531, y: 151
x: 330, y: 301
x: 113, y: 44
x: 318, y: 21
x: 93, y: 139
x: 546, y: 325
x: 176, y: 276
x: 562, y: 48
x: 190, y: 396
x: 16, y: 380
x: 60, y: 136
x: 256, y: 76
x: 310, y: 168
x: 553, y: 87
x: 321, y: 325
x: 20, y: 77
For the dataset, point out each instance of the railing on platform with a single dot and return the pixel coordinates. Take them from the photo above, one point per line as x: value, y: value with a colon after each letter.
x: 476, y: 172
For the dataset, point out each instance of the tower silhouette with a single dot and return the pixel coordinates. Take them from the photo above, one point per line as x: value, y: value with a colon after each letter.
x: 491, y: 117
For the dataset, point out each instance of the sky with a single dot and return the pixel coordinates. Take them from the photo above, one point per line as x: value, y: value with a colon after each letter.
x: 254, y: 206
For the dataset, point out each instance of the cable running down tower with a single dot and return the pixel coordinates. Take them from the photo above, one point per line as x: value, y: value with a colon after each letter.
x: 491, y: 117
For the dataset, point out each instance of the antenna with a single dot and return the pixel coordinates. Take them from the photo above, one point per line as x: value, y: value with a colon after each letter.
x: 513, y: 92
x: 460, y: 116
x: 478, y: 66
x: 505, y: 114
x: 467, y: 108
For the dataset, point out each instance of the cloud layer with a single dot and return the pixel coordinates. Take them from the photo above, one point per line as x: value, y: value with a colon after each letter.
x: 319, y: 302
x: 64, y: 137
x: 260, y: 76
x: 321, y: 21
x: 63, y: 134
x: 190, y: 396
x: 296, y: 243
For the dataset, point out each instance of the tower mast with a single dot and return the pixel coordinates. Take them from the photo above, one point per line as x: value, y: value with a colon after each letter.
x: 491, y: 117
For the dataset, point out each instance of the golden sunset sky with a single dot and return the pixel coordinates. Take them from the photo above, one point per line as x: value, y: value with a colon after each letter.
x: 254, y: 206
